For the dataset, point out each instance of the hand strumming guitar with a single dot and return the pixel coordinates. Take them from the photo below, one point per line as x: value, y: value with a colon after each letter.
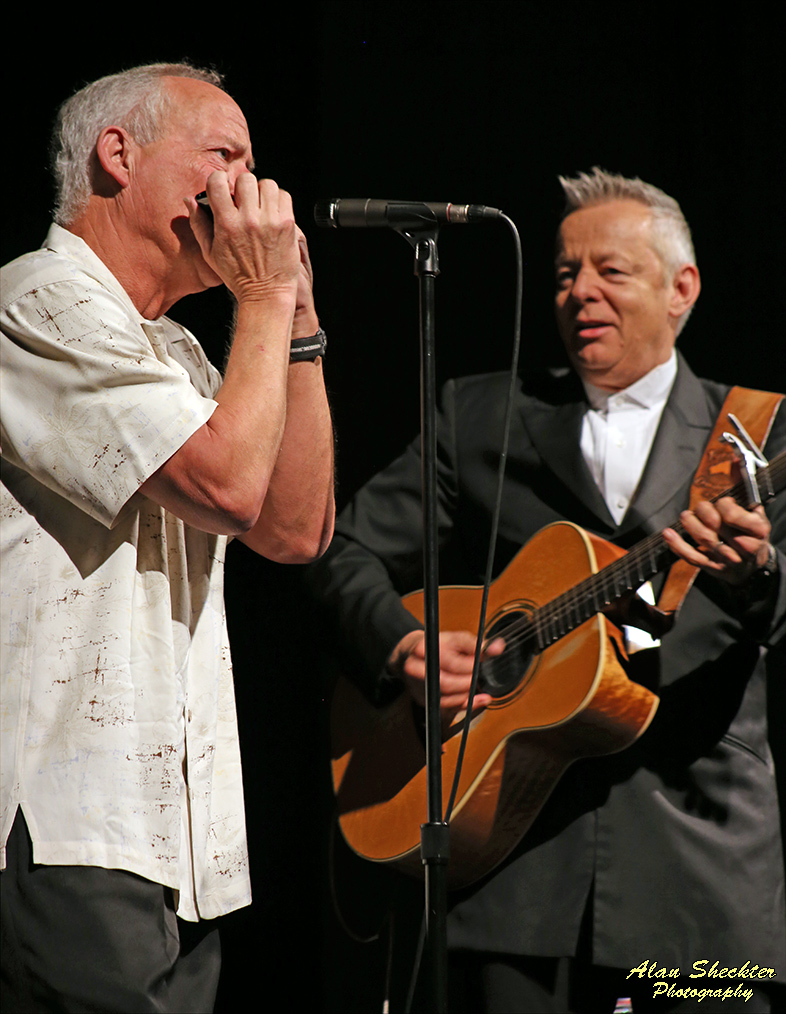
x: 456, y: 658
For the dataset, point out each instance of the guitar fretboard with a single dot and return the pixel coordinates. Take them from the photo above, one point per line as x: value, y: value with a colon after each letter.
x: 555, y: 619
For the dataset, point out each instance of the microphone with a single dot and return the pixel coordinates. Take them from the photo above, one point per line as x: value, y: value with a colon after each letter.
x: 363, y: 213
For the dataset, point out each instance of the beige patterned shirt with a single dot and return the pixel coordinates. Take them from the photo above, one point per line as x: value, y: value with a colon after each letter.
x: 119, y: 734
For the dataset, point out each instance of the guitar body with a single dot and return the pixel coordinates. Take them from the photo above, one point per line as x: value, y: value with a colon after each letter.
x: 572, y: 700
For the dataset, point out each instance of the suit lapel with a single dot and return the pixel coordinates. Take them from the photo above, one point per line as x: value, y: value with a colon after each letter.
x: 554, y: 428
x: 683, y: 432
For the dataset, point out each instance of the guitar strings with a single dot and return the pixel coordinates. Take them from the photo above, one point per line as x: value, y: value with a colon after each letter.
x: 573, y: 607
x: 560, y: 615
x: 550, y: 622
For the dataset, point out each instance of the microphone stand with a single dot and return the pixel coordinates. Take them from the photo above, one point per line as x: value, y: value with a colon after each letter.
x: 418, y: 224
x: 435, y: 833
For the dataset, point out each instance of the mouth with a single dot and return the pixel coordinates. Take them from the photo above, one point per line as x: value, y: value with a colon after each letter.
x: 589, y: 329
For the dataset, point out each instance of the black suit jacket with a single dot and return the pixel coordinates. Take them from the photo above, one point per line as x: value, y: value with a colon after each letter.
x: 677, y: 840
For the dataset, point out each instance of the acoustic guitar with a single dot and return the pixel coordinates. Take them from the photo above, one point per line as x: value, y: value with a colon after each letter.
x: 560, y: 693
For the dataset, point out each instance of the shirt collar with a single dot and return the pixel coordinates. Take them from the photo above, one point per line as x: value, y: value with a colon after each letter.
x: 62, y: 241
x: 648, y: 391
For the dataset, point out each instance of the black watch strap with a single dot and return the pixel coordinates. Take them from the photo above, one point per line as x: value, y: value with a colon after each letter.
x: 306, y: 350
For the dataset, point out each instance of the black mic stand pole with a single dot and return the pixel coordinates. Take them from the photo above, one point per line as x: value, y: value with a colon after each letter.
x: 434, y: 839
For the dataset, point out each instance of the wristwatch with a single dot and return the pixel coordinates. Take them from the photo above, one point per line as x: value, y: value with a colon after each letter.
x: 306, y: 350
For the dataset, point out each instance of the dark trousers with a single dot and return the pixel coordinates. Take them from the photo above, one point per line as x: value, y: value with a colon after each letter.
x: 82, y: 938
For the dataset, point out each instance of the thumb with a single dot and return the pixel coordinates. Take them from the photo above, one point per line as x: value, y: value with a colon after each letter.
x: 201, y: 224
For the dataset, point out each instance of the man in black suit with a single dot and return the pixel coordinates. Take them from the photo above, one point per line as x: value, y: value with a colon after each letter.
x: 668, y: 853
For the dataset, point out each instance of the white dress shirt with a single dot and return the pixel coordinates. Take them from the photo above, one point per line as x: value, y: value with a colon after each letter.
x: 618, y: 430
x: 119, y: 734
x: 617, y: 433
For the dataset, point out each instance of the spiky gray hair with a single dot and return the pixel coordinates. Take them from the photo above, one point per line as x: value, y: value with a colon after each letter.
x: 671, y: 236
x: 133, y: 99
x: 671, y: 233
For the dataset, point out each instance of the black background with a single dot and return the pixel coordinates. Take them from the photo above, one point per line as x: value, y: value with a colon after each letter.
x: 463, y: 102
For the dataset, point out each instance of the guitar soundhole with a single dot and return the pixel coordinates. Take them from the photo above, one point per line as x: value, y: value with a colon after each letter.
x: 503, y: 674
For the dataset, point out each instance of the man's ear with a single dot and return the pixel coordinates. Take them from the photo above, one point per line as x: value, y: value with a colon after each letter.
x: 686, y: 287
x: 113, y: 153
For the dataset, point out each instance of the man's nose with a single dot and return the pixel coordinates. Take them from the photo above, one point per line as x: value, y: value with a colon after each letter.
x: 585, y: 286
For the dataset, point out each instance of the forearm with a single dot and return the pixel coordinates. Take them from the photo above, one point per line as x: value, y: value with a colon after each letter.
x: 353, y: 589
x: 219, y: 478
x: 295, y: 523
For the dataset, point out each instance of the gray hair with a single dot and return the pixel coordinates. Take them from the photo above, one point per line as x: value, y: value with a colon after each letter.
x: 134, y: 100
x: 671, y: 236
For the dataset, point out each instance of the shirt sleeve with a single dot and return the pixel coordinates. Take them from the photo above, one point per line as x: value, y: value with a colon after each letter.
x: 376, y: 556
x: 92, y: 402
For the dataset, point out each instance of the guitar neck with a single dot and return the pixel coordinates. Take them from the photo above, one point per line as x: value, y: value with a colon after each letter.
x: 646, y: 559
